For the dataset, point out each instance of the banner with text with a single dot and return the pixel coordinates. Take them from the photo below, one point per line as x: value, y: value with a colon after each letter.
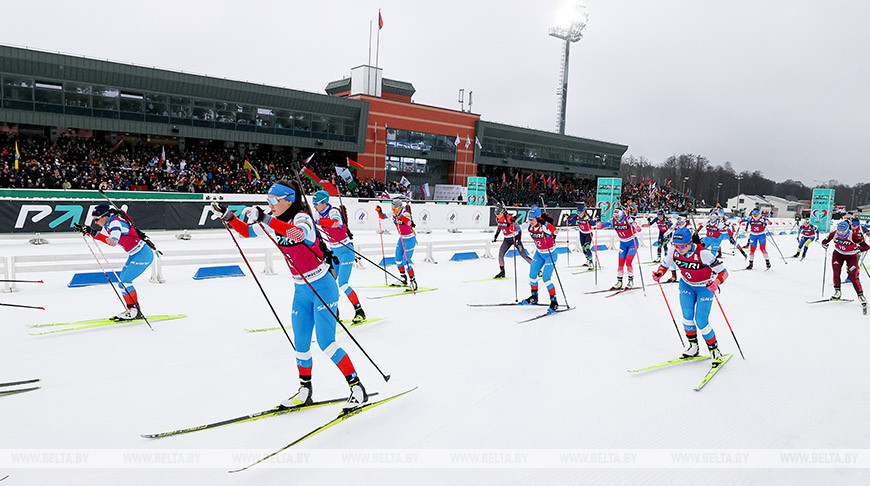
x: 822, y: 208
x: 608, y: 195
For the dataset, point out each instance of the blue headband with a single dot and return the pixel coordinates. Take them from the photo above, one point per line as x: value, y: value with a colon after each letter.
x: 282, y: 190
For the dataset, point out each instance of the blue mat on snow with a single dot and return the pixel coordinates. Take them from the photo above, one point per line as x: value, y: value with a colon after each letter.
x: 88, y: 279
x: 462, y: 256
x: 218, y: 272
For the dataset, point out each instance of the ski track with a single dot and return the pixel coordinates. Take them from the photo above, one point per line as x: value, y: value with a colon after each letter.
x: 485, y: 381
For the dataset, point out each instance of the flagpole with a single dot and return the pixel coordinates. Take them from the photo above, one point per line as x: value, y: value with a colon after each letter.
x: 370, y: 42
x: 378, y: 48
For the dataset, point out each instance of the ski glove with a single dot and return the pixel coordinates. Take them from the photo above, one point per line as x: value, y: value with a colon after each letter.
x: 225, y: 213
x: 713, y: 286
x: 659, y: 273
x: 255, y: 214
x: 85, y: 230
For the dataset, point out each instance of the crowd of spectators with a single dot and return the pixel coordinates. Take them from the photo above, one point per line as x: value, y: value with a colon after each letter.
x: 513, y: 187
x: 134, y: 164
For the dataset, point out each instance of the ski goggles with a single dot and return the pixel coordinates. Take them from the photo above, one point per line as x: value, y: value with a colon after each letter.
x: 682, y: 246
x: 278, y: 192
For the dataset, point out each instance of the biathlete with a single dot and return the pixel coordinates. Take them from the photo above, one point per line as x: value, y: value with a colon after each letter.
x: 626, y: 229
x: 847, y: 245
x: 338, y: 238
x: 543, y: 232
x: 407, y: 240
x: 757, y: 224
x: 584, y: 225
x: 663, y: 224
x: 717, y: 230
x: 299, y: 241
x: 807, y: 233
x: 116, y: 230
x: 507, y: 224
x: 702, y: 274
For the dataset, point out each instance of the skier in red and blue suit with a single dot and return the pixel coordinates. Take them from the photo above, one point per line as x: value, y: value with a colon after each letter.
x: 807, y: 233
x: 407, y: 240
x: 117, y: 231
x: 848, y: 245
x: 717, y: 230
x: 513, y: 237
x: 757, y: 224
x: 296, y: 234
x: 332, y: 221
x: 626, y: 229
x: 543, y: 232
x: 701, y: 275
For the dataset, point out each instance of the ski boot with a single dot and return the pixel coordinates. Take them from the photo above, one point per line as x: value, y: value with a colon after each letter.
x: 301, y: 398
x: 500, y: 274
x: 863, y: 301
x: 673, y: 277
x: 532, y: 300
x: 692, y: 350
x: 630, y: 283
x: 403, y: 282
x: 803, y: 256
x: 749, y: 267
x: 837, y: 294
x: 130, y: 314
x: 358, y: 396
x: 618, y: 284
x: 796, y: 254
x: 359, y: 314
x: 554, y: 305
x: 767, y: 262
x: 413, y: 283
x: 589, y: 263
x: 717, y: 356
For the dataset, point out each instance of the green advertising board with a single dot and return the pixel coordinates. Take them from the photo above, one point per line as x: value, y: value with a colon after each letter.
x: 822, y: 208
x: 476, y: 191
x: 608, y: 195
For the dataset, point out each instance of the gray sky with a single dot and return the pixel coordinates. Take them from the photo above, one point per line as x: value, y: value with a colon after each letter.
x: 779, y: 86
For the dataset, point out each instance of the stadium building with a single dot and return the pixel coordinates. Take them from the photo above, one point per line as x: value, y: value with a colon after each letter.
x: 365, y: 117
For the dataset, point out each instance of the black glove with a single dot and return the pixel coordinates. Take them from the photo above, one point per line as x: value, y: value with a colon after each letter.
x: 494, y: 239
x: 225, y: 213
x: 825, y: 246
x: 85, y: 230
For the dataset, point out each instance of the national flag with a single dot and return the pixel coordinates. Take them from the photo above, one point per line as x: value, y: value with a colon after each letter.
x: 503, y: 179
x: 380, y: 21
x: 457, y: 141
x: 250, y: 167
x: 346, y: 175
x: 517, y: 178
x: 162, y: 155
x: 306, y: 161
x: 116, y: 146
x: 352, y: 164
x: 467, y: 142
x: 322, y: 183
x: 477, y: 142
x: 405, y: 182
x: 17, y: 156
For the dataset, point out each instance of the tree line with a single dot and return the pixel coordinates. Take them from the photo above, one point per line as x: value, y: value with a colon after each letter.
x: 697, y: 177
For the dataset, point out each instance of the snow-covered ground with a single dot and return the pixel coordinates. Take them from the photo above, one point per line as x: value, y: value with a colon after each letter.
x: 486, y: 382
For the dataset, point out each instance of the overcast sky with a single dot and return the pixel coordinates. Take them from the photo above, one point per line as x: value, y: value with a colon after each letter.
x: 779, y: 86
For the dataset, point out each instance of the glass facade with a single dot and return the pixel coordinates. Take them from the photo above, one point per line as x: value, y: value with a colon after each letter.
x: 406, y: 164
x: 21, y: 93
x: 419, y: 140
x: 511, y: 149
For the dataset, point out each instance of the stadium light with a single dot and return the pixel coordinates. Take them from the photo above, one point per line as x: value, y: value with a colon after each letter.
x: 570, y: 24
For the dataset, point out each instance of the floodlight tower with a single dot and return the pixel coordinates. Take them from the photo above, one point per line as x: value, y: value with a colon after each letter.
x: 569, y: 27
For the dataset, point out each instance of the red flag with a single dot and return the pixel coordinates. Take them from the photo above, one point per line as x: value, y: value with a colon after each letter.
x: 517, y: 178
x: 326, y: 185
x: 380, y: 21
x: 503, y: 179
x: 352, y: 164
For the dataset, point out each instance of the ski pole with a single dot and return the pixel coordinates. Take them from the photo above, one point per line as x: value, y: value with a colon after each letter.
x: 516, y: 277
x: 124, y: 287
x: 824, y: 269
x: 597, y: 264
x: 777, y: 247
x: 292, y: 266
x: 21, y: 281
x: 383, y: 269
x: 729, y: 325
x: 558, y: 279
x: 639, y: 268
x: 405, y: 255
x: 23, y: 306
x: 568, y: 243
x: 383, y: 254
x: 671, y: 313
x: 649, y: 233
x: 262, y: 291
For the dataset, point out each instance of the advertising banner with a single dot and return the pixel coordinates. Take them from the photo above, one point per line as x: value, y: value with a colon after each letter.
x: 608, y: 195
x: 476, y: 191
x: 822, y: 208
